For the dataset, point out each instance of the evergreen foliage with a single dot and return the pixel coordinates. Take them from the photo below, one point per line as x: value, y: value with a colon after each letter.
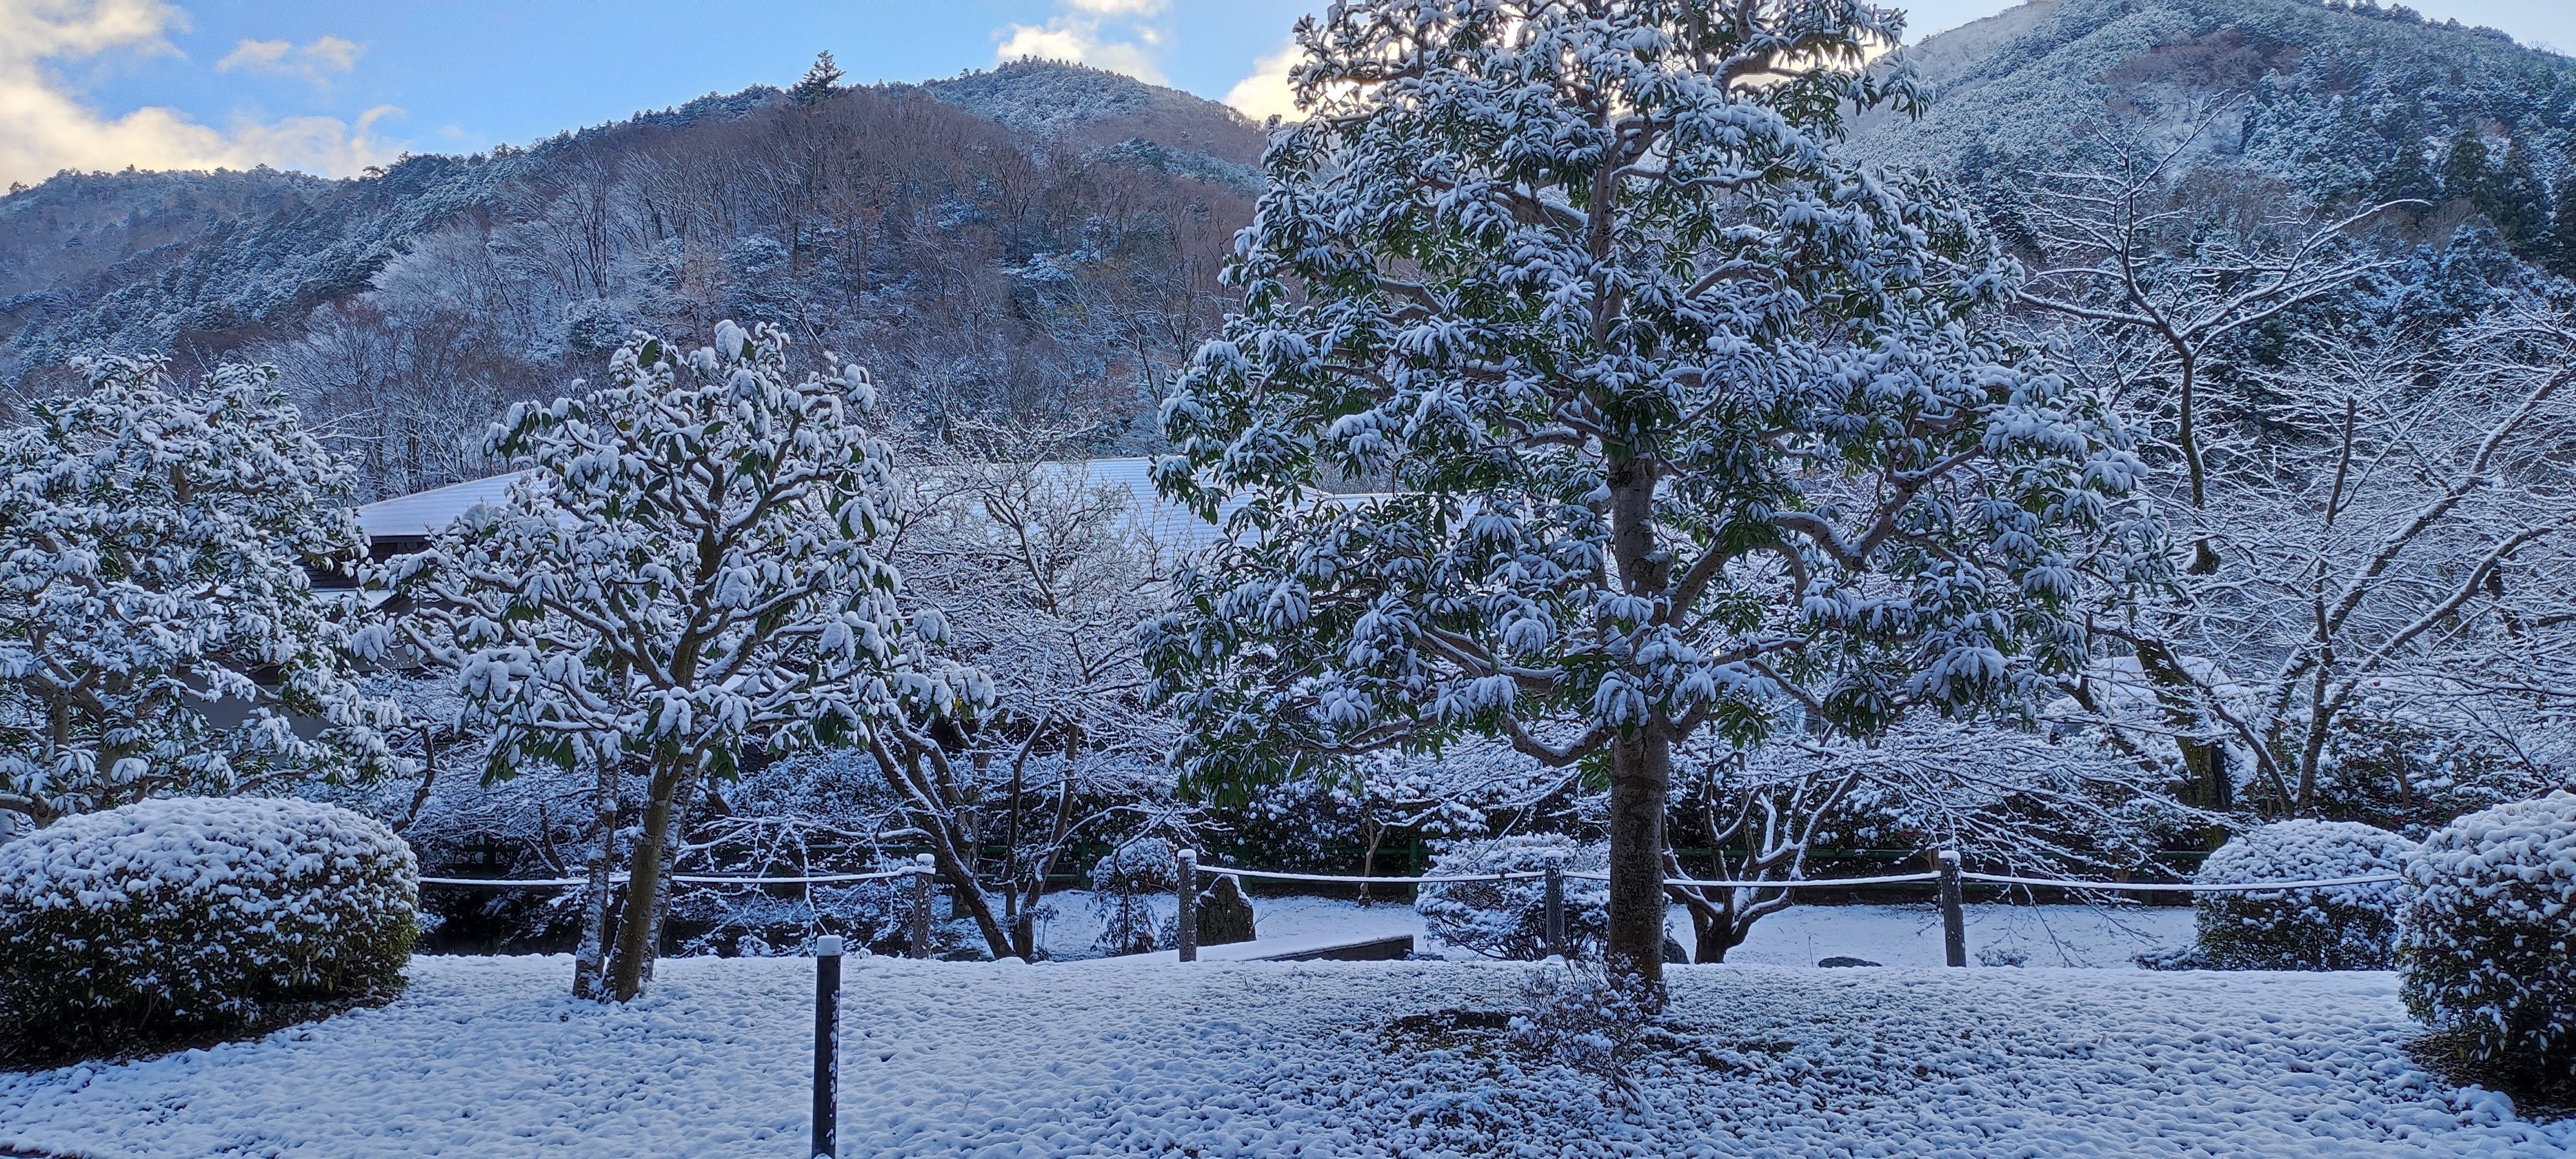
x: 180, y: 914
x: 158, y: 629
x: 819, y: 83
x: 2489, y: 941
x: 1599, y: 300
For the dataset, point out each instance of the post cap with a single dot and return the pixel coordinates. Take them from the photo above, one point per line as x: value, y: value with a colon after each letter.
x: 827, y: 946
x: 1189, y: 855
x: 922, y: 859
x: 1950, y: 856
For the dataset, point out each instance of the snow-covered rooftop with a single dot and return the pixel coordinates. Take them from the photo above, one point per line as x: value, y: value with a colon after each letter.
x: 427, y: 513
x: 1176, y: 528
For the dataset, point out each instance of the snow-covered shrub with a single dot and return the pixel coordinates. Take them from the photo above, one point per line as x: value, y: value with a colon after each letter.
x: 1508, y: 919
x: 1121, y: 884
x: 198, y: 911
x: 2488, y: 944
x: 1584, y: 1017
x: 2340, y: 927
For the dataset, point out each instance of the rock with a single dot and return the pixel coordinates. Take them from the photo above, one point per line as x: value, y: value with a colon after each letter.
x: 1830, y: 963
x: 1225, y: 915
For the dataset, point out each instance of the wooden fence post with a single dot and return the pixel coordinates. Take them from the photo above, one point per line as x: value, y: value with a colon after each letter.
x: 1555, y: 910
x: 1954, y: 921
x: 1186, y: 926
x: 921, y: 873
x: 827, y: 1042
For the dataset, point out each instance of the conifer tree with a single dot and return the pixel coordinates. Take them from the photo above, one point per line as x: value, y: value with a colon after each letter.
x: 2464, y: 167
x: 819, y: 83
x: 2516, y: 201
x: 1686, y: 424
x: 2562, y: 233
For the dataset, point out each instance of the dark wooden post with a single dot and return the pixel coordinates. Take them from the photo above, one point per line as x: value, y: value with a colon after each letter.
x: 1186, y: 927
x: 1954, y: 921
x: 921, y: 873
x: 827, y: 1041
x: 1555, y: 910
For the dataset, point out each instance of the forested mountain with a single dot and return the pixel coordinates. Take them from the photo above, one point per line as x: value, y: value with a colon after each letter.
x: 1044, y: 238
x: 2336, y: 103
x: 1040, y: 238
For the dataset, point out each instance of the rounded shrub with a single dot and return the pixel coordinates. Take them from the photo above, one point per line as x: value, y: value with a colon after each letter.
x: 2489, y: 938
x: 196, y: 912
x: 1508, y: 919
x: 2340, y: 927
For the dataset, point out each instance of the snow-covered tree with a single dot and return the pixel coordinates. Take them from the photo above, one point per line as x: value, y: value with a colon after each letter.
x: 1683, y: 418
x: 691, y: 567
x: 2004, y: 797
x: 2403, y: 526
x: 1043, y: 575
x: 158, y: 630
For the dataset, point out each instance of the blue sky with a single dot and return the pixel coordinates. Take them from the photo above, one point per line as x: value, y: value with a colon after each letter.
x: 330, y: 87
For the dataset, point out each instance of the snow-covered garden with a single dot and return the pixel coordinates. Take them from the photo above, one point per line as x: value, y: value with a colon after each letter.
x: 487, y: 1057
x: 1710, y: 533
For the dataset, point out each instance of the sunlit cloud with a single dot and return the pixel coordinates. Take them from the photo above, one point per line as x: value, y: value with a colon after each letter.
x: 1266, y: 93
x: 47, y: 125
x: 1081, y: 34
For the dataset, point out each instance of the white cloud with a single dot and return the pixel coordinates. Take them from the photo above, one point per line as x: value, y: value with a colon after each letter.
x: 1266, y: 93
x: 46, y: 125
x: 1078, y: 35
x: 257, y: 56
x: 314, y: 62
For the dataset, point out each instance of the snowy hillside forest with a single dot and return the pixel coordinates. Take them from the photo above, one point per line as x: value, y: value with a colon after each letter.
x: 1040, y: 239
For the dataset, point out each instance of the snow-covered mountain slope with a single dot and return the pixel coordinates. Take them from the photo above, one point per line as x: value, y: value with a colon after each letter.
x: 206, y: 263
x: 2342, y: 102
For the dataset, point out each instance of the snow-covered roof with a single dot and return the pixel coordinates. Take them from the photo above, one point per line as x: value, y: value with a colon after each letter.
x: 427, y: 513
x: 1170, y: 525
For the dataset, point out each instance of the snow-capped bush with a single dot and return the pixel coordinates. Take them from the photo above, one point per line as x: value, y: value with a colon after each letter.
x: 197, y: 911
x: 1508, y: 919
x: 2340, y: 927
x: 2488, y: 944
x: 1586, y: 1017
x: 1120, y: 884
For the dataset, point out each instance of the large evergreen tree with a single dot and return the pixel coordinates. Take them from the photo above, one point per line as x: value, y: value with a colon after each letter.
x: 1682, y: 423
x: 2517, y: 202
x: 2464, y: 165
x: 2562, y: 228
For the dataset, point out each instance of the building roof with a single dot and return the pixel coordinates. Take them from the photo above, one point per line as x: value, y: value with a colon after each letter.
x: 426, y: 513
x: 1172, y: 526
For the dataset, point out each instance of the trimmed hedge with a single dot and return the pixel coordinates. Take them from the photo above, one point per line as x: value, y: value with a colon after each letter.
x: 2343, y: 927
x: 2488, y: 944
x: 195, y: 913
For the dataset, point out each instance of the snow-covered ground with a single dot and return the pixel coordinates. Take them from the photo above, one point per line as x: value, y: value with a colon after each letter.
x: 486, y: 1057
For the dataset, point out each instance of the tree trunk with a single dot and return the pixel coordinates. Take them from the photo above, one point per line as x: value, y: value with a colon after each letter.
x: 1640, y: 772
x: 635, y: 926
x: 587, y: 962
x: 683, y: 802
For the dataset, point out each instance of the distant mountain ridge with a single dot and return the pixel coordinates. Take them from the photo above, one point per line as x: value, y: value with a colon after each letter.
x: 213, y: 261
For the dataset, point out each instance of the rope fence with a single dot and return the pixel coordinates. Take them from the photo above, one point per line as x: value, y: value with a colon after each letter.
x: 687, y: 878
x: 827, y: 950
